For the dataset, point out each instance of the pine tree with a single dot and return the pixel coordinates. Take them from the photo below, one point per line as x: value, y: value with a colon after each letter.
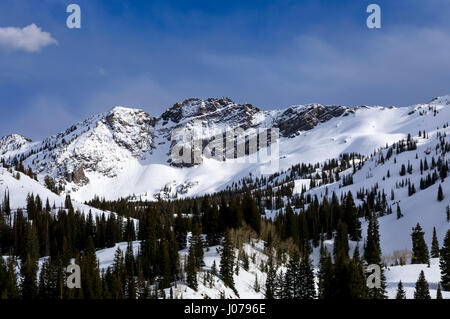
x: 357, y: 278
x: 399, y: 212
x: 291, y: 284
x: 90, y: 279
x: 422, y: 289
x: 3, y: 279
x: 400, y: 291
x: 48, y: 281
x: 29, y: 266
x: 271, y: 281
x: 372, y: 255
x: 326, y: 274
x: 444, y: 263
x: 191, y: 269
x: 129, y: 269
x: 372, y: 251
x: 306, y: 275
x: 351, y: 218
x: 10, y: 280
x: 251, y: 212
x: 440, y: 196
x: 256, y: 285
x: 434, y: 245
x: 227, y: 261
x: 340, y: 248
x: 447, y: 210
x: 197, y: 244
x: 28, y: 271
x: 419, y: 247
x: 166, y: 269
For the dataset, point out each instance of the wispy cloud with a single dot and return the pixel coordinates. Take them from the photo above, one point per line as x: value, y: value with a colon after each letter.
x: 30, y: 38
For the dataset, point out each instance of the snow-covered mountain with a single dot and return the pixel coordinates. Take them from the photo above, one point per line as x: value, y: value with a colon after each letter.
x: 19, y: 186
x: 127, y: 152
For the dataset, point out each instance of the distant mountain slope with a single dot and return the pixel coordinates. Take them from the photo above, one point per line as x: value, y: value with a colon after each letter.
x: 126, y: 152
x: 19, y: 189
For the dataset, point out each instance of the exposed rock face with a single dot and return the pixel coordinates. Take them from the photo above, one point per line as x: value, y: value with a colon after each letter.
x: 304, y: 118
x: 106, y: 144
x: 210, y: 109
x: 78, y: 177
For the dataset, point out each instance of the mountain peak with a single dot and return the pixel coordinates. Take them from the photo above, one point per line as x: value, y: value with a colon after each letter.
x: 12, y: 143
x: 441, y: 100
x: 123, y: 110
x: 196, y: 107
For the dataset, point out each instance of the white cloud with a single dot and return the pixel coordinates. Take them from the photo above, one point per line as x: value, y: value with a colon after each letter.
x: 30, y: 38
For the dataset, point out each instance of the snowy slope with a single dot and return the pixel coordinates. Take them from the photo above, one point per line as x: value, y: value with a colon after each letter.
x: 126, y: 152
x: 245, y: 281
x: 409, y: 274
x: 422, y: 207
x: 18, y: 191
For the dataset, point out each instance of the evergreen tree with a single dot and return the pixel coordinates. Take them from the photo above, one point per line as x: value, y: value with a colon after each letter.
x: 270, y: 292
x: 422, y: 290
x: 166, y: 269
x: 372, y: 255
x: 291, y: 285
x: 444, y: 263
x: 28, y: 271
x: 357, y: 279
x: 440, y: 196
x: 130, y: 271
x: 29, y: 266
x: 256, y: 286
x: 197, y: 245
x: 48, y: 281
x: 372, y: 251
x: 11, y: 289
x: 419, y: 247
x: 191, y: 269
x: 90, y: 279
x: 180, y: 229
x: 326, y: 274
x: 306, y: 276
x: 340, y: 248
x: 434, y: 245
x: 227, y: 261
x: 399, y: 212
x: 400, y: 291
x: 251, y: 213
x: 351, y: 218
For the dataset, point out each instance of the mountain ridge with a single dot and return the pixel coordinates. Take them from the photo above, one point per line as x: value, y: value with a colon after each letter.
x: 127, y: 144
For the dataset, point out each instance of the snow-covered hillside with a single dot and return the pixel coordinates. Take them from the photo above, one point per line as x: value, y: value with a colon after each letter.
x: 19, y: 189
x: 245, y: 280
x: 126, y: 152
x: 421, y: 207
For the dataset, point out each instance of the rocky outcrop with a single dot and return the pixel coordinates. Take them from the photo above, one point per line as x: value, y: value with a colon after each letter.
x: 78, y: 177
x: 105, y: 144
x: 305, y: 118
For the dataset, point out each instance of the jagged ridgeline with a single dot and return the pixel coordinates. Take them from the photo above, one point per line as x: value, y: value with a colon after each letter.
x: 129, y: 152
x: 355, y: 187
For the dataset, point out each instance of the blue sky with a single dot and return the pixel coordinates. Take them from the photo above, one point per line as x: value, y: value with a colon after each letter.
x: 272, y: 54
